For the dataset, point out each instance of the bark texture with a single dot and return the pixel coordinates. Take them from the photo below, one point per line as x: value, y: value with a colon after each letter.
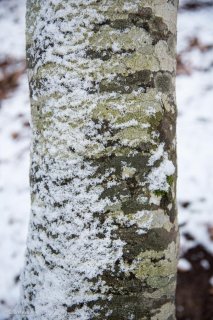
x: 102, y: 242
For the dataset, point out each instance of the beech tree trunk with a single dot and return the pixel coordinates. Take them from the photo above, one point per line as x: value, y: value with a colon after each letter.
x: 102, y: 241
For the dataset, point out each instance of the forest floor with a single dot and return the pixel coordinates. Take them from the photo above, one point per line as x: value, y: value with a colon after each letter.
x: 195, y: 156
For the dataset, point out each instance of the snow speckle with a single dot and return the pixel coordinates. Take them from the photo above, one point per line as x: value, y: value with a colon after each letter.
x: 205, y: 264
x: 115, y: 47
x: 130, y: 6
x: 128, y: 172
x: 184, y: 265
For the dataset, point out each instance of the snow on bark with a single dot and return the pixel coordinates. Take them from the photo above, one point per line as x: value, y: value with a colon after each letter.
x: 102, y: 238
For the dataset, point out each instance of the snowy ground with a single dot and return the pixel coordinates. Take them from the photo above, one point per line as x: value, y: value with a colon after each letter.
x: 14, y: 159
x: 195, y: 134
x: 195, y: 127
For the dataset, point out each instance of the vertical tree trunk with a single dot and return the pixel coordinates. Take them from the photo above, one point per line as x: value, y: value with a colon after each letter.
x: 102, y: 239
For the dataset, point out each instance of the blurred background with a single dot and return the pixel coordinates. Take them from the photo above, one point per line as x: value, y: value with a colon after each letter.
x: 195, y: 156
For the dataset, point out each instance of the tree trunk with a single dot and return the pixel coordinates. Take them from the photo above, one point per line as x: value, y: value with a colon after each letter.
x: 102, y: 242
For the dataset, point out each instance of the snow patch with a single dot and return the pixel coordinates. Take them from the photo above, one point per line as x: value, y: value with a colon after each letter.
x: 157, y: 178
x: 184, y: 265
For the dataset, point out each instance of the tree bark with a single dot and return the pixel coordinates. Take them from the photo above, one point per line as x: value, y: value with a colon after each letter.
x: 102, y: 241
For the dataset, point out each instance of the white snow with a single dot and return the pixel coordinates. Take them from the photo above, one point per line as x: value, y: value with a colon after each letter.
x: 157, y: 154
x: 12, y: 22
x: 157, y: 178
x: 14, y: 160
x: 128, y: 172
x: 195, y: 130
x: 205, y: 264
x: 184, y: 265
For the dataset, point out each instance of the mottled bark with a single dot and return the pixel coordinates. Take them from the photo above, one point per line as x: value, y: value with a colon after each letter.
x: 103, y: 234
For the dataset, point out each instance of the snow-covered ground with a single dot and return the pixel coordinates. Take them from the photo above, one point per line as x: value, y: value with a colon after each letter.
x: 195, y: 149
x: 14, y: 159
x: 195, y: 127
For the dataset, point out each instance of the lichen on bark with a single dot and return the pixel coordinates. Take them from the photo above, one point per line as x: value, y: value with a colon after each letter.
x: 102, y: 242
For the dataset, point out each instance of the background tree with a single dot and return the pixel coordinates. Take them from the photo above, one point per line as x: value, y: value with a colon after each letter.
x: 102, y: 238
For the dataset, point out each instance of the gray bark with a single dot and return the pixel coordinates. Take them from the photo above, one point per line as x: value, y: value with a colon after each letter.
x: 102, y: 241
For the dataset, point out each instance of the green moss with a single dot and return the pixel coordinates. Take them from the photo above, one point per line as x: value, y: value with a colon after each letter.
x: 170, y: 180
x: 160, y: 193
